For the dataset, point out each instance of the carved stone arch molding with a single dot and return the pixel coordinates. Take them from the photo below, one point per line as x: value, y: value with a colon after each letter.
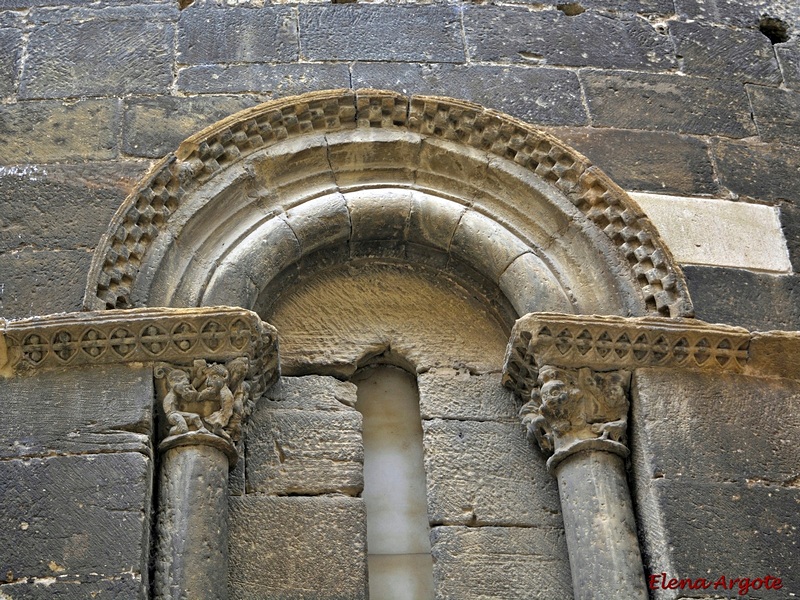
x: 432, y: 180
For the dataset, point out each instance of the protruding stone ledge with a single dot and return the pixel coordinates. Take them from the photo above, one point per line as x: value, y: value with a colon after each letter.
x: 609, y: 343
x: 147, y: 335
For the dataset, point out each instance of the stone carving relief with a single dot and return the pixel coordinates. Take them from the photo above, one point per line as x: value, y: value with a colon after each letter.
x: 574, y: 409
x: 606, y: 343
x: 209, y: 398
x: 147, y: 212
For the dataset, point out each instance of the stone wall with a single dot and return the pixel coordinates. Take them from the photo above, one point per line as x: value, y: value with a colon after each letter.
x: 674, y: 96
x: 76, y: 483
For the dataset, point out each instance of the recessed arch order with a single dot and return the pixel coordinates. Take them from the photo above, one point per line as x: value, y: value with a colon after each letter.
x: 311, y: 179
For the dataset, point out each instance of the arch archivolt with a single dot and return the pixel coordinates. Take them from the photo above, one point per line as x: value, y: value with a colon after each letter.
x: 280, y: 191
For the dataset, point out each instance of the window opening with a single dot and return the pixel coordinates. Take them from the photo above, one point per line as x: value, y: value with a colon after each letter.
x: 398, y: 534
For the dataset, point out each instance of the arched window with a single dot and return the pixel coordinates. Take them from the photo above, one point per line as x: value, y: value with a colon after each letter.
x: 398, y: 543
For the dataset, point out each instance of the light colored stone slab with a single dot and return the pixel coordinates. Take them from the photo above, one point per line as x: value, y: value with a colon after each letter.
x: 702, y: 231
x: 500, y: 563
x: 456, y: 394
x: 486, y: 473
x: 297, y: 548
x: 305, y: 438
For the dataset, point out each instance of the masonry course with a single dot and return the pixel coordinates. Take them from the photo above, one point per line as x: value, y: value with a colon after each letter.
x: 777, y: 114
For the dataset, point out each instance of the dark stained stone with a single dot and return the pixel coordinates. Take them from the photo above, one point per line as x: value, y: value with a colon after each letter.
x: 268, y: 80
x: 737, y: 297
x: 51, y: 131
x: 43, y: 282
x: 512, y: 34
x: 62, y: 206
x: 85, y: 52
x: 667, y: 102
x: 92, y: 409
x: 10, y: 51
x: 646, y: 160
x: 547, y: 96
x: 97, y: 587
x: 743, y: 13
x: 154, y: 127
x: 789, y: 59
x: 762, y: 171
x: 74, y: 515
x: 226, y: 34
x: 777, y: 114
x: 374, y: 32
x: 725, y: 53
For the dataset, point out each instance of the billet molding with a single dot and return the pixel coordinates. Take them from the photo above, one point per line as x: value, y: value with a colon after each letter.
x: 609, y: 343
x: 573, y: 410
x: 177, y: 336
x: 146, y: 213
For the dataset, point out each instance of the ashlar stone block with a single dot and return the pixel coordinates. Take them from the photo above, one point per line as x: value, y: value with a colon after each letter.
x: 93, y: 409
x: 500, y: 563
x: 486, y: 473
x: 297, y: 548
x: 452, y: 394
x: 74, y: 515
x: 302, y: 439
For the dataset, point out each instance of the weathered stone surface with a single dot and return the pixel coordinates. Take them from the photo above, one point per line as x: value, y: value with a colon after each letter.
x: 153, y: 127
x: 743, y: 13
x: 646, y: 160
x: 548, y: 96
x: 273, y: 81
x: 508, y: 34
x: 645, y: 7
x: 755, y: 524
x: 486, y: 473
x: 96, y: 587
x: 113, y: 51
x: 225, y: 35
x: 303, y: 450
x: 91, y: 409
x: 40, y: 283
x: 505, y: 563
x: 789, y: 59
x: 10, y: 50
x: 452, y: 394
x: 298, y: 548
x: 756, y: 301
x: 790, y: 222
x: 668, y: 102
x: 61, y: 206
x: 765, y: 172
x: 75, y: 515
x: 777, y: 114
x: 338, y: 317
x: 725, y: 53
x: 375, y: 32
x: 51, y: 131
x: 703, y: 231
x: 709, y: 432
x: 532, y: 287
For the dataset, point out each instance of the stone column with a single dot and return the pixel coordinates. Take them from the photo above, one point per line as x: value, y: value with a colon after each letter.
x: 204, y: 406
x: 580, y: 417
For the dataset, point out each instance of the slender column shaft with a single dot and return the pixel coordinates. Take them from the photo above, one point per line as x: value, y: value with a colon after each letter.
x: 192, y: 542
x: 600, y: 528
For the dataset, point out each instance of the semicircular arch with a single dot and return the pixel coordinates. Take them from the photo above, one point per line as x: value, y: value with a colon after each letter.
x: 337, y: 175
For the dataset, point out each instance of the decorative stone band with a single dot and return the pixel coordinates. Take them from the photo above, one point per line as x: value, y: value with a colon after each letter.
x: 177, y: 336
x: 573, y: 410
x: 615, y: 343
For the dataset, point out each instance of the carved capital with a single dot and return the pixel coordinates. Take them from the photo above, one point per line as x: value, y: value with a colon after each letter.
x: 578, y: 409
x: 205, y: 403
